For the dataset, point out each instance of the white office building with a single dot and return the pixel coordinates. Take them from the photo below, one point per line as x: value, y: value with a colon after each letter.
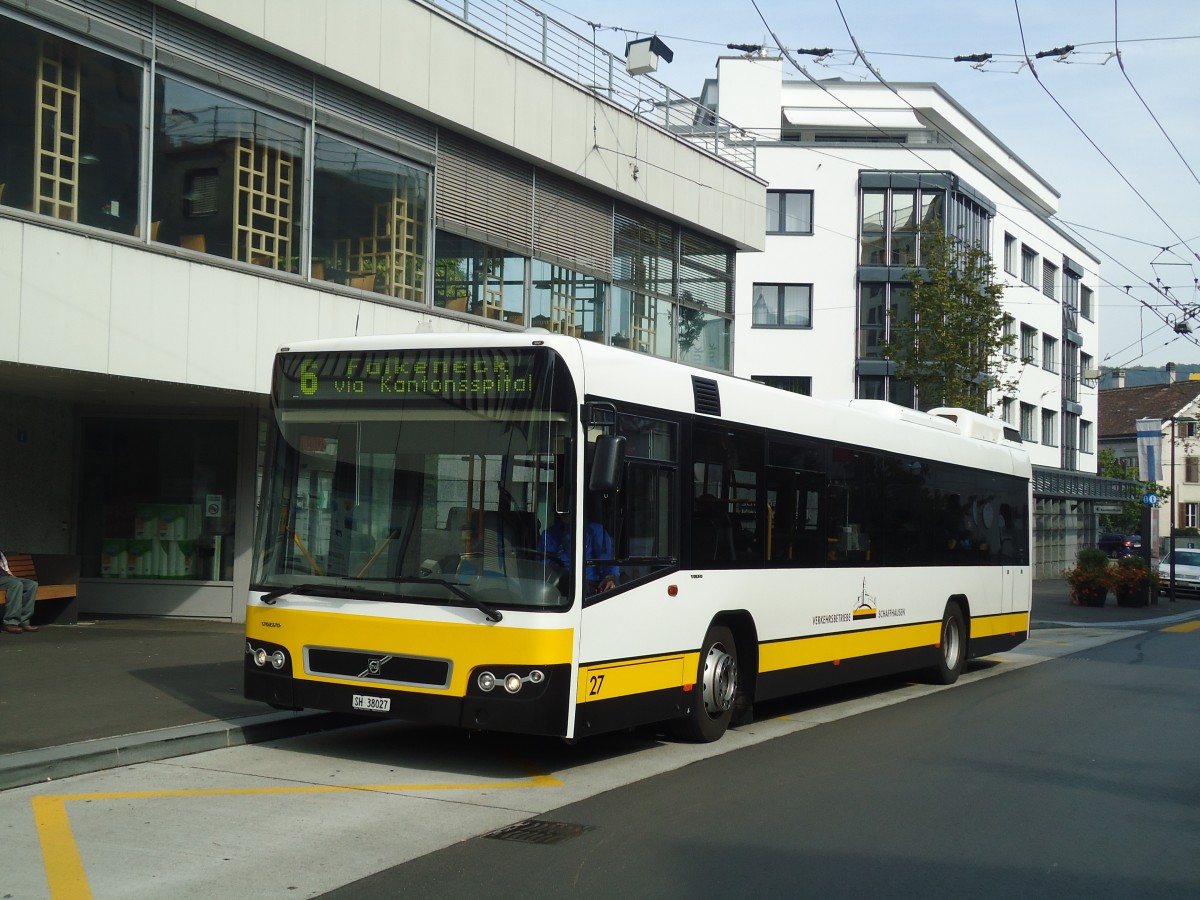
x: 853, y: 170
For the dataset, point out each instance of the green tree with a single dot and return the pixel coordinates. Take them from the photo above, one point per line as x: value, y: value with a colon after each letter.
x: 954, y: 348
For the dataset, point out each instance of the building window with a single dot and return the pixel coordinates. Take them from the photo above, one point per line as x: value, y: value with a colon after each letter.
x: 782, y: 306
x: 227, y: 177
x: 1189, y: 515
x: 1008, y: 407
x: 469, y: 276
x: 1191, y: 469
x: 151, y: 485
x: 1028, y: 422
x: 566, y: 302
x: 797, y: 384
x: 1085, y: 437
x: 1049, y: 428
x: 1029, y: 266
x: 1086, y: 301
x: 1087, y: 365
x: 889, y: 231
x: 1010, y: 254
x: 1049, y: 279
x: 369, y: 214
x: 1049, y: 353
x: 1009, y: 336
x: 71, y: 130
x: 1029, y: 348
x: 789, y: 212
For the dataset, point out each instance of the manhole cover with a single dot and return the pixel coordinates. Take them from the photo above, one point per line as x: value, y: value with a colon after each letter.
x: 532, y: 831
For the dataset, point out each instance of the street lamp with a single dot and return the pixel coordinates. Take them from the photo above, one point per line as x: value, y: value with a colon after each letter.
x: 1171, y: 500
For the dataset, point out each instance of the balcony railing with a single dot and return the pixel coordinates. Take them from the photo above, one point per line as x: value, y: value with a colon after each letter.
x: 532, y: 33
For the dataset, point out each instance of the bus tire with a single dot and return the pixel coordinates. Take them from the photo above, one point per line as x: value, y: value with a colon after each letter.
x: 714, y: 691
x: 952, y: 647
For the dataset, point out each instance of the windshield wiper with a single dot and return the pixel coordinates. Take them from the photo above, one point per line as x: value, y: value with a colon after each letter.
x: 458, y: 590
x: 270, y: 597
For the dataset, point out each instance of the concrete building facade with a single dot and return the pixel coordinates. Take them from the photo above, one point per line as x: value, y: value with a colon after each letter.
x: 185, y: 185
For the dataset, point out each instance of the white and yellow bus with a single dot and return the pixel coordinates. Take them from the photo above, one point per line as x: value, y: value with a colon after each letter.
x: 713, y: 542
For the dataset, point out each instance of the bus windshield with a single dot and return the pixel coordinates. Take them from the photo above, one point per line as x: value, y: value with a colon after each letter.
x: 423, y: 476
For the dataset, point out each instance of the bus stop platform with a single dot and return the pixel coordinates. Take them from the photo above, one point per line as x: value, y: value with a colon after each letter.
x: 117, y: 691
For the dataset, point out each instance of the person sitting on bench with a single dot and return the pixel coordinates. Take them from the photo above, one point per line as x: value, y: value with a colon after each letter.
x: 18, y: 609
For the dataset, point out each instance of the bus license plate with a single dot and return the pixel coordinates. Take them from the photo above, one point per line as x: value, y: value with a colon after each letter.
x: 372, y: 704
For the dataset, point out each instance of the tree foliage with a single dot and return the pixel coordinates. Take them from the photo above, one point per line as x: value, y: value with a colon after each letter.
x: 953, y: 348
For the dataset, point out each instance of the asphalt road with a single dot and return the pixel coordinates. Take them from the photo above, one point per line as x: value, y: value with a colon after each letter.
x: 1076, y: 778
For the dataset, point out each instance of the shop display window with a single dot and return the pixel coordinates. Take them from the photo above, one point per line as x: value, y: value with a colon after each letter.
x: 158, y: 498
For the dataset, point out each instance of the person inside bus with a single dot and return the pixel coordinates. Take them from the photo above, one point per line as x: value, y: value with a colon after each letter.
x: 555, y: 542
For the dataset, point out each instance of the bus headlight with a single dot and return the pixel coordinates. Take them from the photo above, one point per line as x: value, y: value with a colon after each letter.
x: 260, y: 657
x: 512, y: 683
x: 486, y: 681
x: 278, y: 660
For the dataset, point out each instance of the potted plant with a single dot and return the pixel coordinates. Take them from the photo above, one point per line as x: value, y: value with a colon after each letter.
x: 1089, y: 580
x: 1133, y: 581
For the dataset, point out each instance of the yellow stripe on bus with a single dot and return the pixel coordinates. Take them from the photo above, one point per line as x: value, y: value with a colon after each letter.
x: 637, y: 676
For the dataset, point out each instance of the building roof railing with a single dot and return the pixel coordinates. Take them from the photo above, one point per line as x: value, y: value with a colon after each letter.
x: 534, y: 34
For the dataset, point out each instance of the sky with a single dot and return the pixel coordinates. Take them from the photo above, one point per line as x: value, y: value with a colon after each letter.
x: 1120, y: 145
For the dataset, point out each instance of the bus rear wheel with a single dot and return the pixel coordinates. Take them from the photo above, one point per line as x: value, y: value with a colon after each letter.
x: 952, y: 647
x: 714, y: 691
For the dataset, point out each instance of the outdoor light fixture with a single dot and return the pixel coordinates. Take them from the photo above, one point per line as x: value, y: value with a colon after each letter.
x: 641, y: 56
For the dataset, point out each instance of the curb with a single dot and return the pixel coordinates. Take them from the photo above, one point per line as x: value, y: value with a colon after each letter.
x: 35, y: 766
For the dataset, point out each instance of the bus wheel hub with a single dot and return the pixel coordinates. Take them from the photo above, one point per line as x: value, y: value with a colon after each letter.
x: 720, y: 680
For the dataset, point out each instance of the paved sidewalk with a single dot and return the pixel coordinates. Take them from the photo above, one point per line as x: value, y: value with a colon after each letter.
x: 80, y: 698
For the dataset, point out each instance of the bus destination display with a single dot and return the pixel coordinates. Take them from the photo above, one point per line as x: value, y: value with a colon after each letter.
x: 462, y: 374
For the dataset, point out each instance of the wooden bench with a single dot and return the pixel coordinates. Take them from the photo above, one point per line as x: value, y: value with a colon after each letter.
x: 57, y: 576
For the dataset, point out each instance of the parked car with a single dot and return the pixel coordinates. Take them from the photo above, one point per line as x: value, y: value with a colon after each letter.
x: 1117, y: 546
x: 1187, y: 572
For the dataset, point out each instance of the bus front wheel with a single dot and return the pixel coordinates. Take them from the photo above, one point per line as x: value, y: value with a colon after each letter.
x: 952, y: 647
x: 714, y: 690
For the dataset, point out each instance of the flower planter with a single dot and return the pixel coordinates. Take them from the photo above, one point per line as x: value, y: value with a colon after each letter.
x: 1091, y: 596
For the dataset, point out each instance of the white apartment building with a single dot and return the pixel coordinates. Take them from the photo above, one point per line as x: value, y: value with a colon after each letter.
x: 186, y: 185
x: 853, y: 169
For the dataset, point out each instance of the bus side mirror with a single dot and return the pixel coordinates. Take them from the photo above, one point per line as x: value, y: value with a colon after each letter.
x: 608, y: 464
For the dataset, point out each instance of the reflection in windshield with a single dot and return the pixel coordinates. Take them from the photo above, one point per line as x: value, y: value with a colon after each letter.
x: 433, y: 502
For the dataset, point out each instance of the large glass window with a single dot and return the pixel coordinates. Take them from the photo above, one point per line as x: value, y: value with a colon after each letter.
x: 890, y: 228
x: 566, y: 302
x: 473, y: 277
x: 782, y: 306
x: 642, y: 322
x: 69, y: 130
x: 227, y: 177
x: 369, y: 220
x: 158, y: 498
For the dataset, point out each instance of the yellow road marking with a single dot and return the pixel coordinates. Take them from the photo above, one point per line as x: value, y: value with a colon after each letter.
x: 64, y: 867
x: 1184, y: 626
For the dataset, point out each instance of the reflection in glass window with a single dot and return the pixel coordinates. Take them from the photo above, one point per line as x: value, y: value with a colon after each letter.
x: 642, y: 322
x: 566, y: 302
x: 473, y: 277
x: 226, y: 177
x: 369, y: 215
x: 68, y: 130
x: 704, y: 338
